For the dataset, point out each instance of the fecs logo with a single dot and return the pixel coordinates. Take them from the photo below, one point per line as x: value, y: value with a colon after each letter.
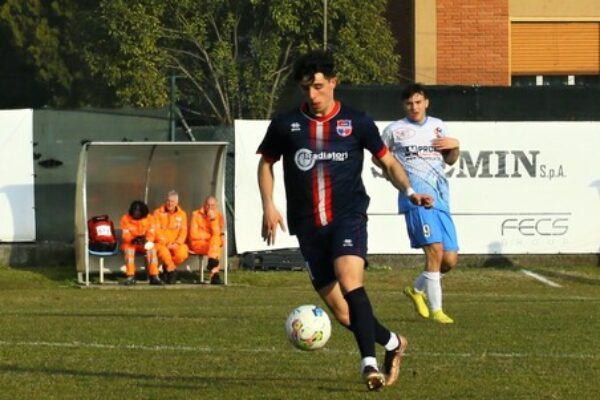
x: 305, y: 159
x: 546, y: 226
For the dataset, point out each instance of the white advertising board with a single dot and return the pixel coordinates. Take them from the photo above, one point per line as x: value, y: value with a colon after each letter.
x: 518, y: 188
x: 17, y: 208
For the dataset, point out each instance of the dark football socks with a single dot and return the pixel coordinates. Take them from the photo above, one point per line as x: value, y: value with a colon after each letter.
x: 362, y: 321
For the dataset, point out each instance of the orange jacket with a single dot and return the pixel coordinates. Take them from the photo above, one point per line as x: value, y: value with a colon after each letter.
x: 170, y: 226
x: 202, y: 228
x: 137, y: 227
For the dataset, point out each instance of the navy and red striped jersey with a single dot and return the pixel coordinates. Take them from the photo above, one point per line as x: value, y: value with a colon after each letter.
x: 322, y: 163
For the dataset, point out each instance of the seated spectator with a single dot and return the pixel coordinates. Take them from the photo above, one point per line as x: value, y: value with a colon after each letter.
x: 138, y: 236
x: 171, y: 234
x: 206, y: 236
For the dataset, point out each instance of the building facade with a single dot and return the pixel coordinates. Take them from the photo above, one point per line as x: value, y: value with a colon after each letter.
x: 498, y: 42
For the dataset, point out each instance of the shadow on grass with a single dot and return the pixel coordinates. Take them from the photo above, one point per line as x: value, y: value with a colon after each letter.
x: 182, y: 381
x: 570, y: 278
x: 499, y: 262
x: 31, y: 277
x: 53, y: 273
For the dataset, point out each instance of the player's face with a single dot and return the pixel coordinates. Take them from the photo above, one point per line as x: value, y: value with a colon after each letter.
x: 319, y: 94
x: 416, y: 107
x: 171, y: 203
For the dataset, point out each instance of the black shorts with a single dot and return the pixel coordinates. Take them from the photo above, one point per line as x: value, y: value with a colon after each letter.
x: 346, y: 236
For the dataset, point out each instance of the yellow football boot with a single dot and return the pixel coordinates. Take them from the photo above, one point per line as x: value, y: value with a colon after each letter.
x: 439, y: 316
x: 418, y: 300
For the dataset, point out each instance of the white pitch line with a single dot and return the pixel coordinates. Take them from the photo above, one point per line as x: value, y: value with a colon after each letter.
x: 199, y: 349
x: 540, y: 278
x: 122, y: 346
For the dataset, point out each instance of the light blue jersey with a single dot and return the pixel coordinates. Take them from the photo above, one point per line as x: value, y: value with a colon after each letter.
x: 410, y: 143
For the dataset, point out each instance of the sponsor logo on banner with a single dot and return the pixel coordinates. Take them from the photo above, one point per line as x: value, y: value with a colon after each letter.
x: 344, y: 127
x: 504, y: 164
x: 535, y: 226
x: 534, y: 232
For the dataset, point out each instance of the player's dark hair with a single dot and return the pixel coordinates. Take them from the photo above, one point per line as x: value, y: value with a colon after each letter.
x: 315, y: 61
x: 413, y: 89
x: 140, y: 206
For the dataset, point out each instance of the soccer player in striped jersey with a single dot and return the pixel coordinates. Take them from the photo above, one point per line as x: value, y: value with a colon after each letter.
x: 321, y: 145
x: 421, y: 145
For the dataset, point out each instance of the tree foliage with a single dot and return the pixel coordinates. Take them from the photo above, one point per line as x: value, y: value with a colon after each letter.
x: 231, y: 58
x: 48, y: 36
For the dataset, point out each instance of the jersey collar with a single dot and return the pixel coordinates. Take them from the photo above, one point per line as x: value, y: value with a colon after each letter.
x: 336, y: 109
x: 417, y: 123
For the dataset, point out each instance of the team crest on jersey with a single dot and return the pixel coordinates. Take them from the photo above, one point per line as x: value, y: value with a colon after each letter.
x: 344, y: 127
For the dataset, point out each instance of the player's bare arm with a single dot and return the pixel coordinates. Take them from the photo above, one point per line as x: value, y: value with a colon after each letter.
x: 271, y: 216
x: 450, y: 148
x: 377, y: 163
x: 397, y: 176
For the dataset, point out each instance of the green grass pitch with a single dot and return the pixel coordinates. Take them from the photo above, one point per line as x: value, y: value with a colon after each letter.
x: 515, y: 337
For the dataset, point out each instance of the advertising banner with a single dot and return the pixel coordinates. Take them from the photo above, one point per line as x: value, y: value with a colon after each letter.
x: 517, y: 188
x: 17, y: 208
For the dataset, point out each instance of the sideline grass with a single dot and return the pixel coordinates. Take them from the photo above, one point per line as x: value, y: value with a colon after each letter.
x: 515, y: 338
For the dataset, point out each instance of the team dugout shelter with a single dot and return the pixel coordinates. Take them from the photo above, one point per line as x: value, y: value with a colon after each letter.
x: 113, y: 174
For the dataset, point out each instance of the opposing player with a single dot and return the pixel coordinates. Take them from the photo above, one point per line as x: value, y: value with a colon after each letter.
x: 421, y: 145
x: 322, y: 144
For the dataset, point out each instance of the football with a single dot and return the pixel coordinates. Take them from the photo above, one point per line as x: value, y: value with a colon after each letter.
x: 308, y: 327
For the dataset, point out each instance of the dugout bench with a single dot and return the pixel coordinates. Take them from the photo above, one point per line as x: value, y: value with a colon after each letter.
x: 112, y: 174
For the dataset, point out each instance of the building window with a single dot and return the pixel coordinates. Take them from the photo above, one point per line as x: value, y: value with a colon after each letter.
x: 555, y: 49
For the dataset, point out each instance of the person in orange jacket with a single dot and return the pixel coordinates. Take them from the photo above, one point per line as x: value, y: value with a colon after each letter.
x: 206, y: 235
x: 171, y: 232
x: 139, y: 236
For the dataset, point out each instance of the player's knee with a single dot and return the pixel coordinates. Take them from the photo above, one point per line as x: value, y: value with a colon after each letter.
x: 446, y: 268
x: 449, y: 262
